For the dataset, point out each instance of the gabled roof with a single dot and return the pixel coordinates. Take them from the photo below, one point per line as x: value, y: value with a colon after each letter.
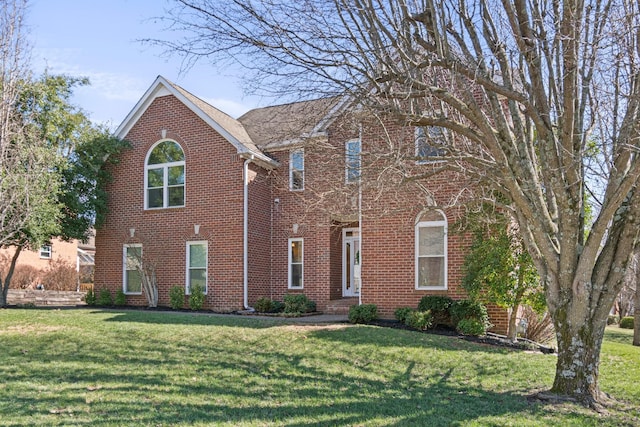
x: 231, y: 129
x: 282, y: 125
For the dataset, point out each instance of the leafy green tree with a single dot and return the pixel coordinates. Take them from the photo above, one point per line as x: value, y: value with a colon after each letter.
x: 51, y: 154
x: 499, y: 270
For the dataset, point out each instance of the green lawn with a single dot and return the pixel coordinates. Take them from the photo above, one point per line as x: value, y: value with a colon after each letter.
x: 93, y: 367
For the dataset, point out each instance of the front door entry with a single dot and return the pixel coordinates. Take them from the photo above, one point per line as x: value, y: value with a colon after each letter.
x: 350, y: 262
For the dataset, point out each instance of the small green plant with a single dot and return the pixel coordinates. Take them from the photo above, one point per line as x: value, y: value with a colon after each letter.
x: 105, y: 298
x: 363, y: 313
x: 90, y: 297
x: 263, y: 305
x: 438, y: 306
x: 626, y: 322
x: 196, y: 299
x: 176, y: 297
x: 402, y: 313
x: 472, y: 327
x: 120, y: 299
x: 613, y: 319
x: 419, y: 320
x: 298, y: 304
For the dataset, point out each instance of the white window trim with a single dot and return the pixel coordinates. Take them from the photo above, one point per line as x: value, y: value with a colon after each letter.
x: 291, y: 170
x: 425, y: 224
x: 124, y: 267
x: 346, y: 161
x: 289, y: 276
x: 165, y: 167
x: 187, y: 289
x: 48, y: 253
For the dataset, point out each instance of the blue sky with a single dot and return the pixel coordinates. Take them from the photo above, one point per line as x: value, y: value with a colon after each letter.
x: 98, y: 39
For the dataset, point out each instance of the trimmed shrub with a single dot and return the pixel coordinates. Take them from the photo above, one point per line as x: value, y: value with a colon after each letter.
x: 626, y: 322
x: 470, y: 326
x: 196, y: 299
x: 263, y: 305
x: 402, y: 313
x: 176, y: 297
x: 298, y: 304
x: 438, y: 306
x: 105, y: 298
x: 120, y: 299
x: 419, y: 320
x: 90, y: 297
x: 363, y: 313
x: 470, y: 310
x: 277, y: 306
x: 613, y: 319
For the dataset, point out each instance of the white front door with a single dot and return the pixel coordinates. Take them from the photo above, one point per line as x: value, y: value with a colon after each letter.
x: 350, y: 262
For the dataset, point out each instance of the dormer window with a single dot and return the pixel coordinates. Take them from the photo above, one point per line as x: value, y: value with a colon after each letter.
x: 164, y: 176
x: 430, y: 142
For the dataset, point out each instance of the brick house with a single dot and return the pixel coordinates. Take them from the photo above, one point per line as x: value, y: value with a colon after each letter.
x: 272, y: 203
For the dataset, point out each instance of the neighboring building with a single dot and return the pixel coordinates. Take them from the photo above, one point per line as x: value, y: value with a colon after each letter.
x: 271, y: 204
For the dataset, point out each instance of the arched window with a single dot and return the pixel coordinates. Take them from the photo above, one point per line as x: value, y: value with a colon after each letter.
x: 164, y: 176
x: 431, y: 250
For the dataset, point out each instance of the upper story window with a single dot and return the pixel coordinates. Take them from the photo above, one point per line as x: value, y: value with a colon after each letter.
x: 296, y: 170
x: 164, y: 176
x: 352, y: 160
x: 431, y: 251
x: 45, y: 252
x: 430, y: 143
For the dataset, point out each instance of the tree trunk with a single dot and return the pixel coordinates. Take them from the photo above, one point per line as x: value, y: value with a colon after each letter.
x: 7, y: 280
x: 636, y: 315
x: 512, y: 329
x: 577, y: 368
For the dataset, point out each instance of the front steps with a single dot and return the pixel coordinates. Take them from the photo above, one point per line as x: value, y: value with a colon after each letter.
x: 340, y: 306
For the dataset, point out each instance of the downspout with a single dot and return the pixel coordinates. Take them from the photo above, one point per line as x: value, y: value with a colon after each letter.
x: 245, y: 243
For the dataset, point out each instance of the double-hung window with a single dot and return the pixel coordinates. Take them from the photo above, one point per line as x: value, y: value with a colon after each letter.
x: 131, y: 266
x: 430, y: 142
x: 197, y: 256
x: 431, y: 251
x: 296, y: 170
x: 352, y: 160
x: 164, y: 176
x: 45, y: 252
x: 296, y: 263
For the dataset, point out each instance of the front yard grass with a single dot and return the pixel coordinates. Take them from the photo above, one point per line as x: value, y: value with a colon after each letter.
x: 113, y: 368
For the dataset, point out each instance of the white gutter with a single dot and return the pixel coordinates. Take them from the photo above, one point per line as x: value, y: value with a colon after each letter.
x: 360, y: 214
x: 245, y: 248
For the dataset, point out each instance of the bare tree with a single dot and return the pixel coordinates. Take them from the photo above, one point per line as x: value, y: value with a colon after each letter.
x: 543, y: 99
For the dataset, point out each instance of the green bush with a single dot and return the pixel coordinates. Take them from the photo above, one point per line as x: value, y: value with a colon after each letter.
x: 263, y: 305
x: 120, y: 299
x: 613, y: 319
x: 419, y: 320
x: 105, y: 298
x: 626, y: 322
x: 196, y: 299
x: 402, y: 313
x: 473, y: 316
x: 90, y: 297
x: 470, y: 326
x: 298, y: 304
x: 439, y: 306
x: 277, y: 306
x: 176, y: 297
x: 363, y: 313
